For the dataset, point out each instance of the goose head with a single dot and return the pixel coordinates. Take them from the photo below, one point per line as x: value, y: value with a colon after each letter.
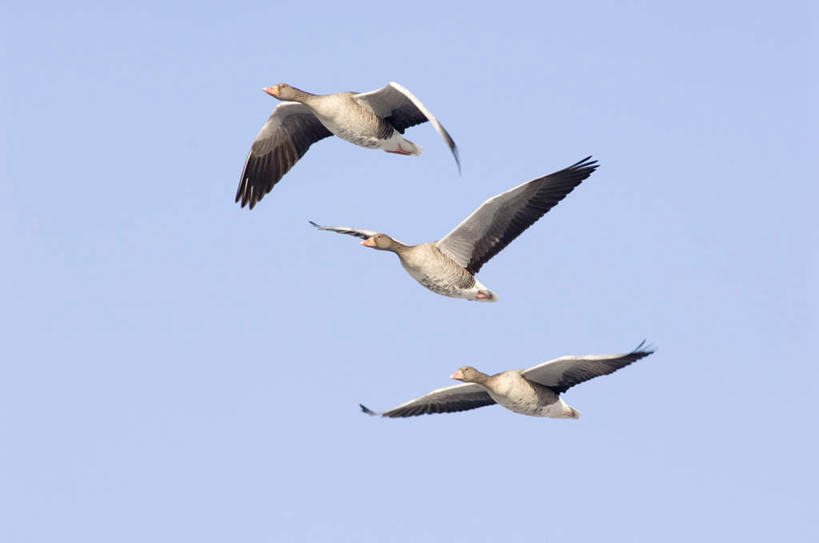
x: 381, y: 242
x: 283, y: 91
x: 468, y: 374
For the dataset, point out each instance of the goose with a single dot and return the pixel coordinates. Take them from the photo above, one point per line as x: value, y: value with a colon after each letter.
x: 534, y: 392
x: 448, y: 266
x: 375, y: 120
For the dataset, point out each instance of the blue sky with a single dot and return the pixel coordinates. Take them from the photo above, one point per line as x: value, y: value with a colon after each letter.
x: 175, y: 368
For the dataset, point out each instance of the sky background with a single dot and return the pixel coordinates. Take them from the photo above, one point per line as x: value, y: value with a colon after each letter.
x: 175, y: 368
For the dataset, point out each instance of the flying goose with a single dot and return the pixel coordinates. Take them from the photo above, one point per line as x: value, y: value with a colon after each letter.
x: 373, y: 119
x: 534, y: 392
x: 448, y: 266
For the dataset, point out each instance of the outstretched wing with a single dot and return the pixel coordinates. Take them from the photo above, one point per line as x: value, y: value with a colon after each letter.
x: 282, y: 141
x: 504, y: 217
x: 357, y: 232
x: 563, y: 373
x: 444, y: 400
x: 398, y: 106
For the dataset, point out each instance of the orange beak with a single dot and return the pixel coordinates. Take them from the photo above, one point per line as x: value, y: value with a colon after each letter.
x: 457, y: 375
x: 369, y: 242
x: 272, y: 91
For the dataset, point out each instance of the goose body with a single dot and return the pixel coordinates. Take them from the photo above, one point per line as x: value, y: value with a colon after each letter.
x: 374, y: 120
x: 534, y: 392
x: 352, y: 120
x: 428, y: 265
x: 516, y: 393
x: 448, y: 266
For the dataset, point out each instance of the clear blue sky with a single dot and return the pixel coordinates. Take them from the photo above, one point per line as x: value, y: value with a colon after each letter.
x: 175, y: 368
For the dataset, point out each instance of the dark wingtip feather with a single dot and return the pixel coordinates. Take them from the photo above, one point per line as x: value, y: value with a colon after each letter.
x: 457, y: 157
x: 643, y: 349
x: 586, y: 162
x: 241, y: 194
x: 314, y: 224
x: 587, y: 165
x: 367, y: 410
x: 454, y: 148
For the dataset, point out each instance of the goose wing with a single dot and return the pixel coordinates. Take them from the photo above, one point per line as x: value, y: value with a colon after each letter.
x: 563, y: 373
x: 398, y: 106
x: 357, y: 232
x: 288, y: 133
x: 504, y: 217
x: 444, y: 400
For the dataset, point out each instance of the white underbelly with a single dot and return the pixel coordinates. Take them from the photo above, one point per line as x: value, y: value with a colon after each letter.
x: 349, y: 128
x: 438, y: 285
x: 524, y: 406
x: 363, y: 140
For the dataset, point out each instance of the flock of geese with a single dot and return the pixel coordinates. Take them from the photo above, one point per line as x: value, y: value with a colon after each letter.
x: 377, y: 120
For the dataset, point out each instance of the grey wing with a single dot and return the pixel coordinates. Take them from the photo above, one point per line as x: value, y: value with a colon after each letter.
x: 444, y: 400
x: 504, y: 217
x: 398, y: 106
x: 288, y: 133
x: 357, y: 232
x: 563, y: 373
